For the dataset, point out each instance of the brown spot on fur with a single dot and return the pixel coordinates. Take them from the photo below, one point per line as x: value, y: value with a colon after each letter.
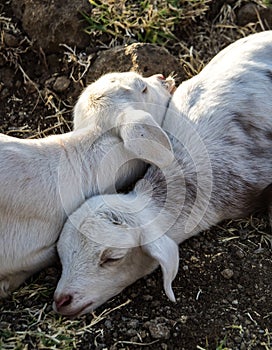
x: 244, y: 123
x: 268, y: 134
x: 268, y: 73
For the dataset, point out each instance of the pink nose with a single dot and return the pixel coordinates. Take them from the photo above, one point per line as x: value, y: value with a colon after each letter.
x: 63, y: 301
x: 160, y: 76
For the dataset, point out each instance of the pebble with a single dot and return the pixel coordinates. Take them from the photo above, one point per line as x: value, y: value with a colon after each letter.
x: 237, y: 339
x: 4, y: 93
x: 10, y: 40
x: 159, y: 331
x: 248, y: 322
x: 247, y: 14
x: 108, y: 324
x: 131, y: 332
x: 240, y: 254
x: 150, y: 283
x: 158, y: 328
x: 61, y: 84
x: 243, y: 346
x: 30, y: 87
x: 227, y: 273
x: 155, y: 304
x: 133, y: 324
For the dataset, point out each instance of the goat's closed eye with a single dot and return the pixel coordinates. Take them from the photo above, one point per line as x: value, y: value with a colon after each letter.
x: 111, y: 256
x: 109, y: 261
x: 144, y: 90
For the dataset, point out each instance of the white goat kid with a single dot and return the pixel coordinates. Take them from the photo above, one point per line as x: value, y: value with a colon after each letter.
x: 43, y: 181
x: 220, y: 125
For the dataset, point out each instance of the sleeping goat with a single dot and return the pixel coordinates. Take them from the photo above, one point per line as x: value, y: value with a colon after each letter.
x: 43, y: 181
x: 220, y: 126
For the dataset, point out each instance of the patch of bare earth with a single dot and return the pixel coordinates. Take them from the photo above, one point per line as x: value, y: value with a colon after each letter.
x: 224, y: 284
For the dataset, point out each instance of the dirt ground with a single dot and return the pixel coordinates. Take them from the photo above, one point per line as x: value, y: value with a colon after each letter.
x: 224, y: 284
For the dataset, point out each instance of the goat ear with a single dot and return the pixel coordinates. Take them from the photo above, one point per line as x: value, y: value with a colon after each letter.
x: 166, y: 252
x: 143, y: 136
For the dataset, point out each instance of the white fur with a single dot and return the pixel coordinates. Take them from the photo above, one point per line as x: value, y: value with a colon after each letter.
x: 98, y: 105
x: 220, y: 124
x: 43, y: 181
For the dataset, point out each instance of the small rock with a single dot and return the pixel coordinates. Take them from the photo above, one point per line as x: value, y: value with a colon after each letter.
x: 239, y: 253
x: 21, y: 113
x: 251, y: 13
x: 131, y: 332
x: 227, y: 273
x: 146, y: 59
x: 248, y: 322
x: 30, y: 87
x: 133, y: 324
x: 61, y: 84
x: 158, y: 328
x: 134, y: 339
x: 237, y: 339
x: 108, y: 324
x: 243, y: 346
x: 262, y: 299
x: 51, y: 23
x: 247, y: 14
x: 133, y: 295
x: 159, y: 331
x: 4, y: 93
x: 10, y: 40
x: 150, y: 282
